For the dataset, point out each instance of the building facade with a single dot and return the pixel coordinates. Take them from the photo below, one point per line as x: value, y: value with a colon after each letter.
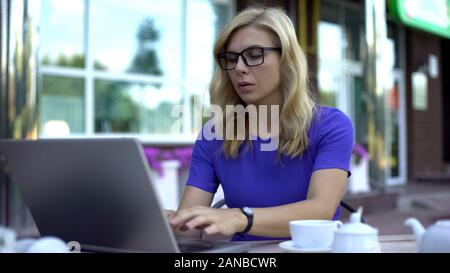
x: 400, y: 112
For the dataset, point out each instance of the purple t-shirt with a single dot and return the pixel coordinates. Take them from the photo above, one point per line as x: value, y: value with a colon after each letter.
x: 258, y: 179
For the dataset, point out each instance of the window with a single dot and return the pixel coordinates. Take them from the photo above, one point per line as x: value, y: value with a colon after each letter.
x: 113, y: 67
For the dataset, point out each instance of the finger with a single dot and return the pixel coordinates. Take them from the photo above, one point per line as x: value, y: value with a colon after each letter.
x: 198, y: 222
x: 178, y: 218
x: 211, y: 229
x: 183, y: 228
x: 185, y: 215
x: 178, y: 223
x: 201, y: 227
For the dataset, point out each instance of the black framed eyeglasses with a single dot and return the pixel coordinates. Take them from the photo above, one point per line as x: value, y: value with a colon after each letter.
x: 252, y: 56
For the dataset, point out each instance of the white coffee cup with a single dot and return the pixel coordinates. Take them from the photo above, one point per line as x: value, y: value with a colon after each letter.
x: 315, y: 234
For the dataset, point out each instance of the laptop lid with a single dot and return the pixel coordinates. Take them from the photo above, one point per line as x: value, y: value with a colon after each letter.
x: 96, y: 192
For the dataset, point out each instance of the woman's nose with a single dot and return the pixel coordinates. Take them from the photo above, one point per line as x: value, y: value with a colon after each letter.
x: 240, y: 65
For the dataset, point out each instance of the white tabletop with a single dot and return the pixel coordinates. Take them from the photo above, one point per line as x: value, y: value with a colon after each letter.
x: 388, y: 244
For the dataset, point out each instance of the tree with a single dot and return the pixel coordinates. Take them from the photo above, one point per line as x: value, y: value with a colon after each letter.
x: 114, y: 110
x: 146, y: 59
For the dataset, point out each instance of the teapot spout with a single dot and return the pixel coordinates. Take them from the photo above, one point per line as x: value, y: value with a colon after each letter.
x: 417, y: 228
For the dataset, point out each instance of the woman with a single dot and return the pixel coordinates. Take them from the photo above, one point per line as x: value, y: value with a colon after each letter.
x: 260, y: 63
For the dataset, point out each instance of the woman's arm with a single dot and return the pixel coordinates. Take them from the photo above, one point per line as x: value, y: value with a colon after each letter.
x: 326, y: 190
x: 192, y: 197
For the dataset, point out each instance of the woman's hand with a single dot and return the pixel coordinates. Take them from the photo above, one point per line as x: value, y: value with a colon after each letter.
x: 210, y: 220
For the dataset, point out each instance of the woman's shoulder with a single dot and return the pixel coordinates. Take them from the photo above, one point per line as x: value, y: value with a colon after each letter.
x: 323, y: 112
x: 208, y: 138
x: 325, y: 115
x: 327, y: 119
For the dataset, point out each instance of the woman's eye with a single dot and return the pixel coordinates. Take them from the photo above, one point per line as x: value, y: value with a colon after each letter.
x: 254, y: 53
x: 255, y: 56
x: 231, y: 59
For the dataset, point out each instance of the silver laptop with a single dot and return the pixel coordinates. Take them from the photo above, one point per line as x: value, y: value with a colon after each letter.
x: 96, y: 192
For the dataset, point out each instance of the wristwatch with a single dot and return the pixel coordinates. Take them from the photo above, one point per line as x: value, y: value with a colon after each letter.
x: 248, y: 212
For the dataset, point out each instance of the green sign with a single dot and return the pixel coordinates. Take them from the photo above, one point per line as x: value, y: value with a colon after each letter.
x: 428, y: 15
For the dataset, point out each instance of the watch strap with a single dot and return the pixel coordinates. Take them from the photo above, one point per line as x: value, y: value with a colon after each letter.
x: 249, y: 220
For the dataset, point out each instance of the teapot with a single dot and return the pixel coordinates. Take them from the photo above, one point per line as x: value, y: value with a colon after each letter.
x: 356, y: 236
x: 7, y: 239
x: 435, y: 239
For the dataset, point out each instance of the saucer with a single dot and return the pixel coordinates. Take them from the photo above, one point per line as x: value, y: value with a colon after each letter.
x: 289, y: 246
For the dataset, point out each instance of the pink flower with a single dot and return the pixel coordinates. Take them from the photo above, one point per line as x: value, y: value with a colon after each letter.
x: 359, y: 153
x: 156, y: 155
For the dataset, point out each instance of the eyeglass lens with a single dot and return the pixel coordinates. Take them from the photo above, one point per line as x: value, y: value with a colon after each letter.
x: 250, y: 56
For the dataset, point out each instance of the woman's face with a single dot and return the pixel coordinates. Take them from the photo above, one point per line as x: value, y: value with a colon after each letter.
x: 258, y: 85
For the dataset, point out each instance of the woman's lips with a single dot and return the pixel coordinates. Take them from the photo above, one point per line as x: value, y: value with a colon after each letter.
x: 245, y: 87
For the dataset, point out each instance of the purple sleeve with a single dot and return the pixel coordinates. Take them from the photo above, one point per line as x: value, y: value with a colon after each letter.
x: 334, y: 142
x: 201, y: 172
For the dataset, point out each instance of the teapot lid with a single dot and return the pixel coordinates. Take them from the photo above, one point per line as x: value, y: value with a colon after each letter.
x: 356, y: 227
x: 445, y: 223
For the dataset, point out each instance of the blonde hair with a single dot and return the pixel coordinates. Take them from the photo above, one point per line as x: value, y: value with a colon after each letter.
x: 297, y: 109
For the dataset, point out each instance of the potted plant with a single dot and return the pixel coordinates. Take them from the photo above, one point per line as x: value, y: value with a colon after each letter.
x: 359, y: 153
x: 359, y: 167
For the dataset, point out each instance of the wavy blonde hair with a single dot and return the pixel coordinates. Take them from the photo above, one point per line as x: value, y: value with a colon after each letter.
x: 297, y: 109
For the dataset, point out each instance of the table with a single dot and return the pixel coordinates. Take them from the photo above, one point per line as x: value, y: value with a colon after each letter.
x: 388, y: 244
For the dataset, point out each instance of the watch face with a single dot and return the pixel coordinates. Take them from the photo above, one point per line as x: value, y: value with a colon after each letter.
x: 248, y: 210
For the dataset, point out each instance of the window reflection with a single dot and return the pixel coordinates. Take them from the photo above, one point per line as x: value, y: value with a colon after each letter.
x: 61, y: 33
x: 147, y: 43
x: 62, y: 99
x: 199, y: 64
x: 144, y: 58
x: 133, y: 107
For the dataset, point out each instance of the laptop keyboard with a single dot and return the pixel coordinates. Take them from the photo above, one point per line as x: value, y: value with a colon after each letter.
x: 191, y: 245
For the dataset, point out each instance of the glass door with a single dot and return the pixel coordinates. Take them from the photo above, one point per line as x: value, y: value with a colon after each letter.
x: 340, y: 33
x: 340, y: 78
x: 395, y: 132
x: 330, y: 60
